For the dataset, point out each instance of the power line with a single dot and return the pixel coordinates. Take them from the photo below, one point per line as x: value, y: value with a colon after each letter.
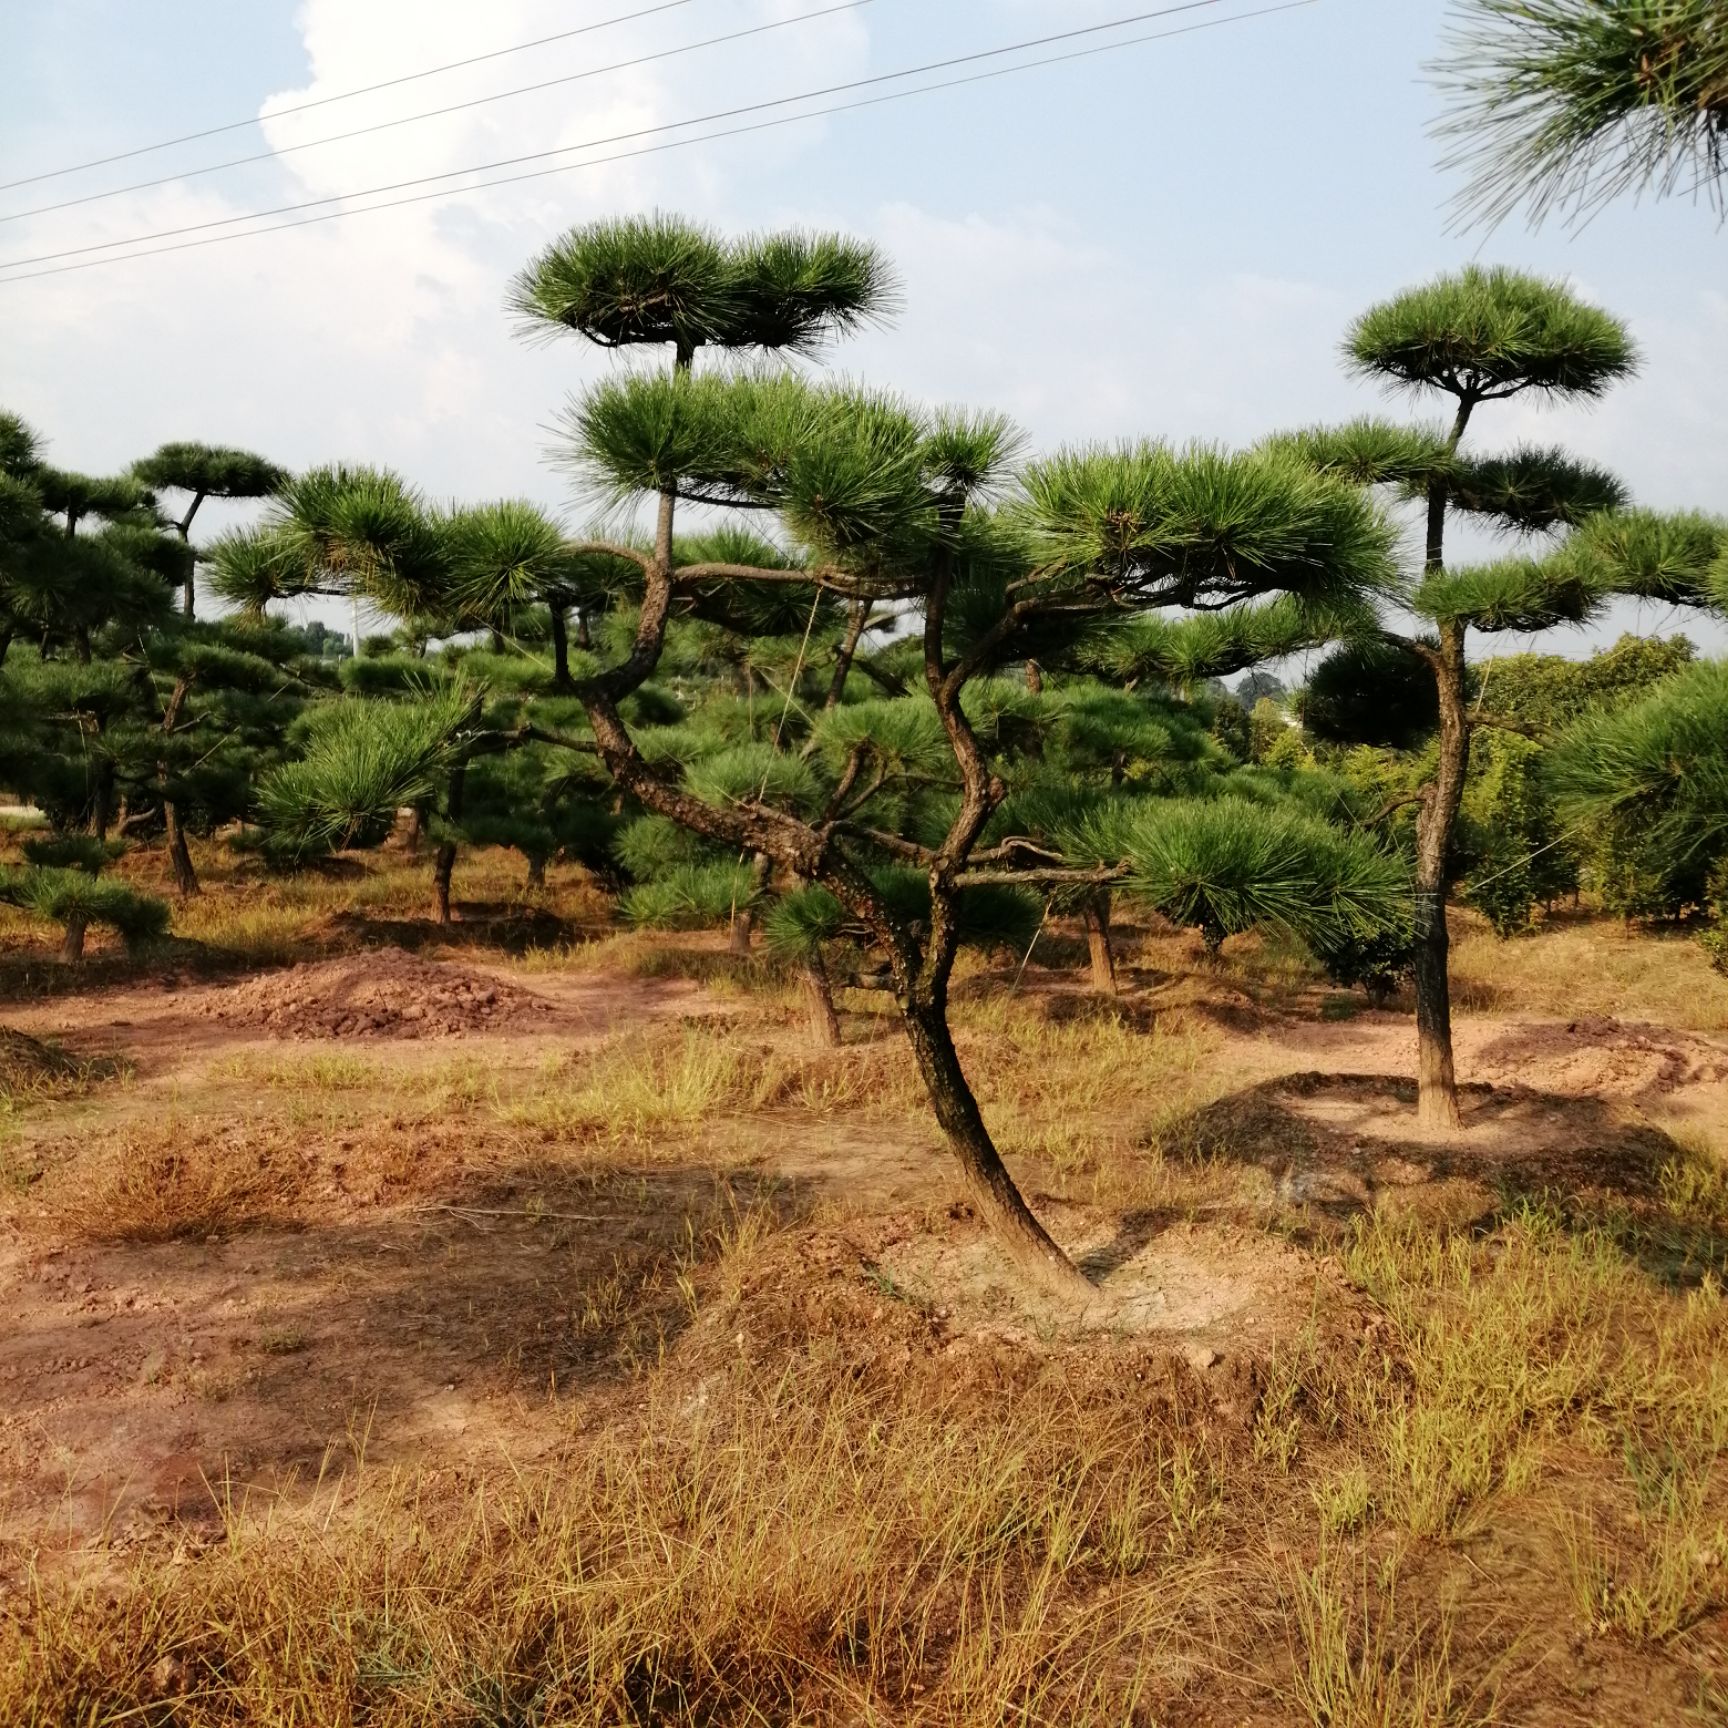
x: 615, y: 138
x: 346, y: 95
x: 677, y: 143
x: 437, y: 113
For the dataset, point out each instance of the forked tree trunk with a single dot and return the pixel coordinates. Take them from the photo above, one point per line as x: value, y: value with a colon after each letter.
x: 1096, y: 916
x: 72, y: 948
x: 179, y: 854
x: 1436, y: 1080
x: 824, y: 1016
x: 988, y: 1183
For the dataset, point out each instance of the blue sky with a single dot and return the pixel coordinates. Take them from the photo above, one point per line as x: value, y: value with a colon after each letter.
x: 1167, y: 240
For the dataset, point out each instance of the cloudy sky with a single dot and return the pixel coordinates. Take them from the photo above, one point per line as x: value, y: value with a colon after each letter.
x: 1164, y: 239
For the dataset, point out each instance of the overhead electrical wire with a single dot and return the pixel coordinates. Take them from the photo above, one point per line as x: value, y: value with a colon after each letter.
x: 438, y: 113
x: 348, y: 95
x: 673, y: 144
x: 615, y: 138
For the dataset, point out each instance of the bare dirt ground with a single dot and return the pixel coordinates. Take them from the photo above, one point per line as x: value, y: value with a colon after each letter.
x: 448, y: 1210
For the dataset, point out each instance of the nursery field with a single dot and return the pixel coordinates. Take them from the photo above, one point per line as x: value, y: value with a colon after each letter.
x: 531, y: 1320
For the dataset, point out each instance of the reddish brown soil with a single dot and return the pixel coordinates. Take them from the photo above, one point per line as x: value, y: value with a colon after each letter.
x: 381, y: 993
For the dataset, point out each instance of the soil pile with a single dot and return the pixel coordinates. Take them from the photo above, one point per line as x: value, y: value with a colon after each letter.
x: 29, y: 1066
x: 380, y: 994
x: 1599, y: 1056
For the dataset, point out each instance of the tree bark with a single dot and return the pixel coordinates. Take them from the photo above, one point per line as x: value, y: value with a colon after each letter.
x: 560, y: 649
x: 185, y: 877
x: 744, y: 917
x: 845, y: 655
x: 988, y: 1183
x: 824, y: 1017
x: 536, y: 871
x: 72, y: 948
x: 184, y: 525
x: 1034, y: 678
x: 443, y: 868
x: 179, y: 854
x: 1436, y: 1079
x: 1096, y: 916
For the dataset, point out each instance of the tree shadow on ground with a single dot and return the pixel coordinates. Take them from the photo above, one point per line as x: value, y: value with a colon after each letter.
x: 479, y: 1320
x: 1334, y: 1147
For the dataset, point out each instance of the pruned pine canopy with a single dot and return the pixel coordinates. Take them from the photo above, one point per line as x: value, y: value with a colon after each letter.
x: 1484, y: 334
x: 1562, y: 105
x: 1512, y: 594
x: 213, y: 470
x: 662, y: 280
x: 1678, y: 557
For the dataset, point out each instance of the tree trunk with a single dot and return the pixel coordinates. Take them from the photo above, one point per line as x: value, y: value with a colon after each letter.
x: 442, y: 869
x: 1096, y: 916
x: 990, y: 1187
x: 179, y: 854
x: 847, y: 652
x: 536, y: 872
x: 1034, y: 678
x: 1437, y: 1086
x: 188, y: 601
x: 1436, y: 1080
x: 744, y: 917
x: 560, y: 649
x: 824, y: 1017
x: 584, y: 637
x: 414, y: 835
x: 72, y: 948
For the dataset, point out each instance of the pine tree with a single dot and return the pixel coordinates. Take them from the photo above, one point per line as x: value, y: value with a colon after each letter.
x: 1478, y: 337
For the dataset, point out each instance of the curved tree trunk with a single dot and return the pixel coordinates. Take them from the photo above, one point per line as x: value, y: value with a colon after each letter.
x: 1096, y: 916
x: 988, y: 1182
x: 846, y: 654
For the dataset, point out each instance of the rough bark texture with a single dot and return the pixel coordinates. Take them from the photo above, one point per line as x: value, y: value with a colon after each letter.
x: 824, y: 1017
x: 560, y: 649
x: 443, y: 868
x: 846, y: 654
x: 1096, y: 916
x: 536, y: 872
x: 988, y: 1183
x: 1436, y: 1080
x: 1437, y: 1087
x: 185, y: 875
x: 72, y: 948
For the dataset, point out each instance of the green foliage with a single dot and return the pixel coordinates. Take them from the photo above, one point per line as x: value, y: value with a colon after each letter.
x: 1649, y: 784
x: 690, y: 896
x: 1566, y: 104
x: 1371, y: 452
x: 1206, y: 526
x: 210, y: 471
x: 73, y: 898
x: 1224, y: 866
x: 1371, y: 692
x: 1533, y: 491
x: 1510, y: 840
x: 360, y: 763
x: 1524, y: 594
x: 1486, y: 333
x: 1550, y: 693
x: 1674, y: 557
x: 661, y: 279
x: 86, y: 852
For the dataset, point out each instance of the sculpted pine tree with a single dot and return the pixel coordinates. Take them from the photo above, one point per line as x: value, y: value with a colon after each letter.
x: 1479, y: 337
x: 204, y: 471
x: 1566, y: 104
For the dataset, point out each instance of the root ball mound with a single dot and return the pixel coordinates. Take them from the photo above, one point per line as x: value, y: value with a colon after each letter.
x: 380, y: 994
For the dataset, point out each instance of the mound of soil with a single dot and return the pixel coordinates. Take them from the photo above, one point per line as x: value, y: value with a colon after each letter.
x: 382, y: 993
x: 28, y: 1065
x: 1598, y: 1056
